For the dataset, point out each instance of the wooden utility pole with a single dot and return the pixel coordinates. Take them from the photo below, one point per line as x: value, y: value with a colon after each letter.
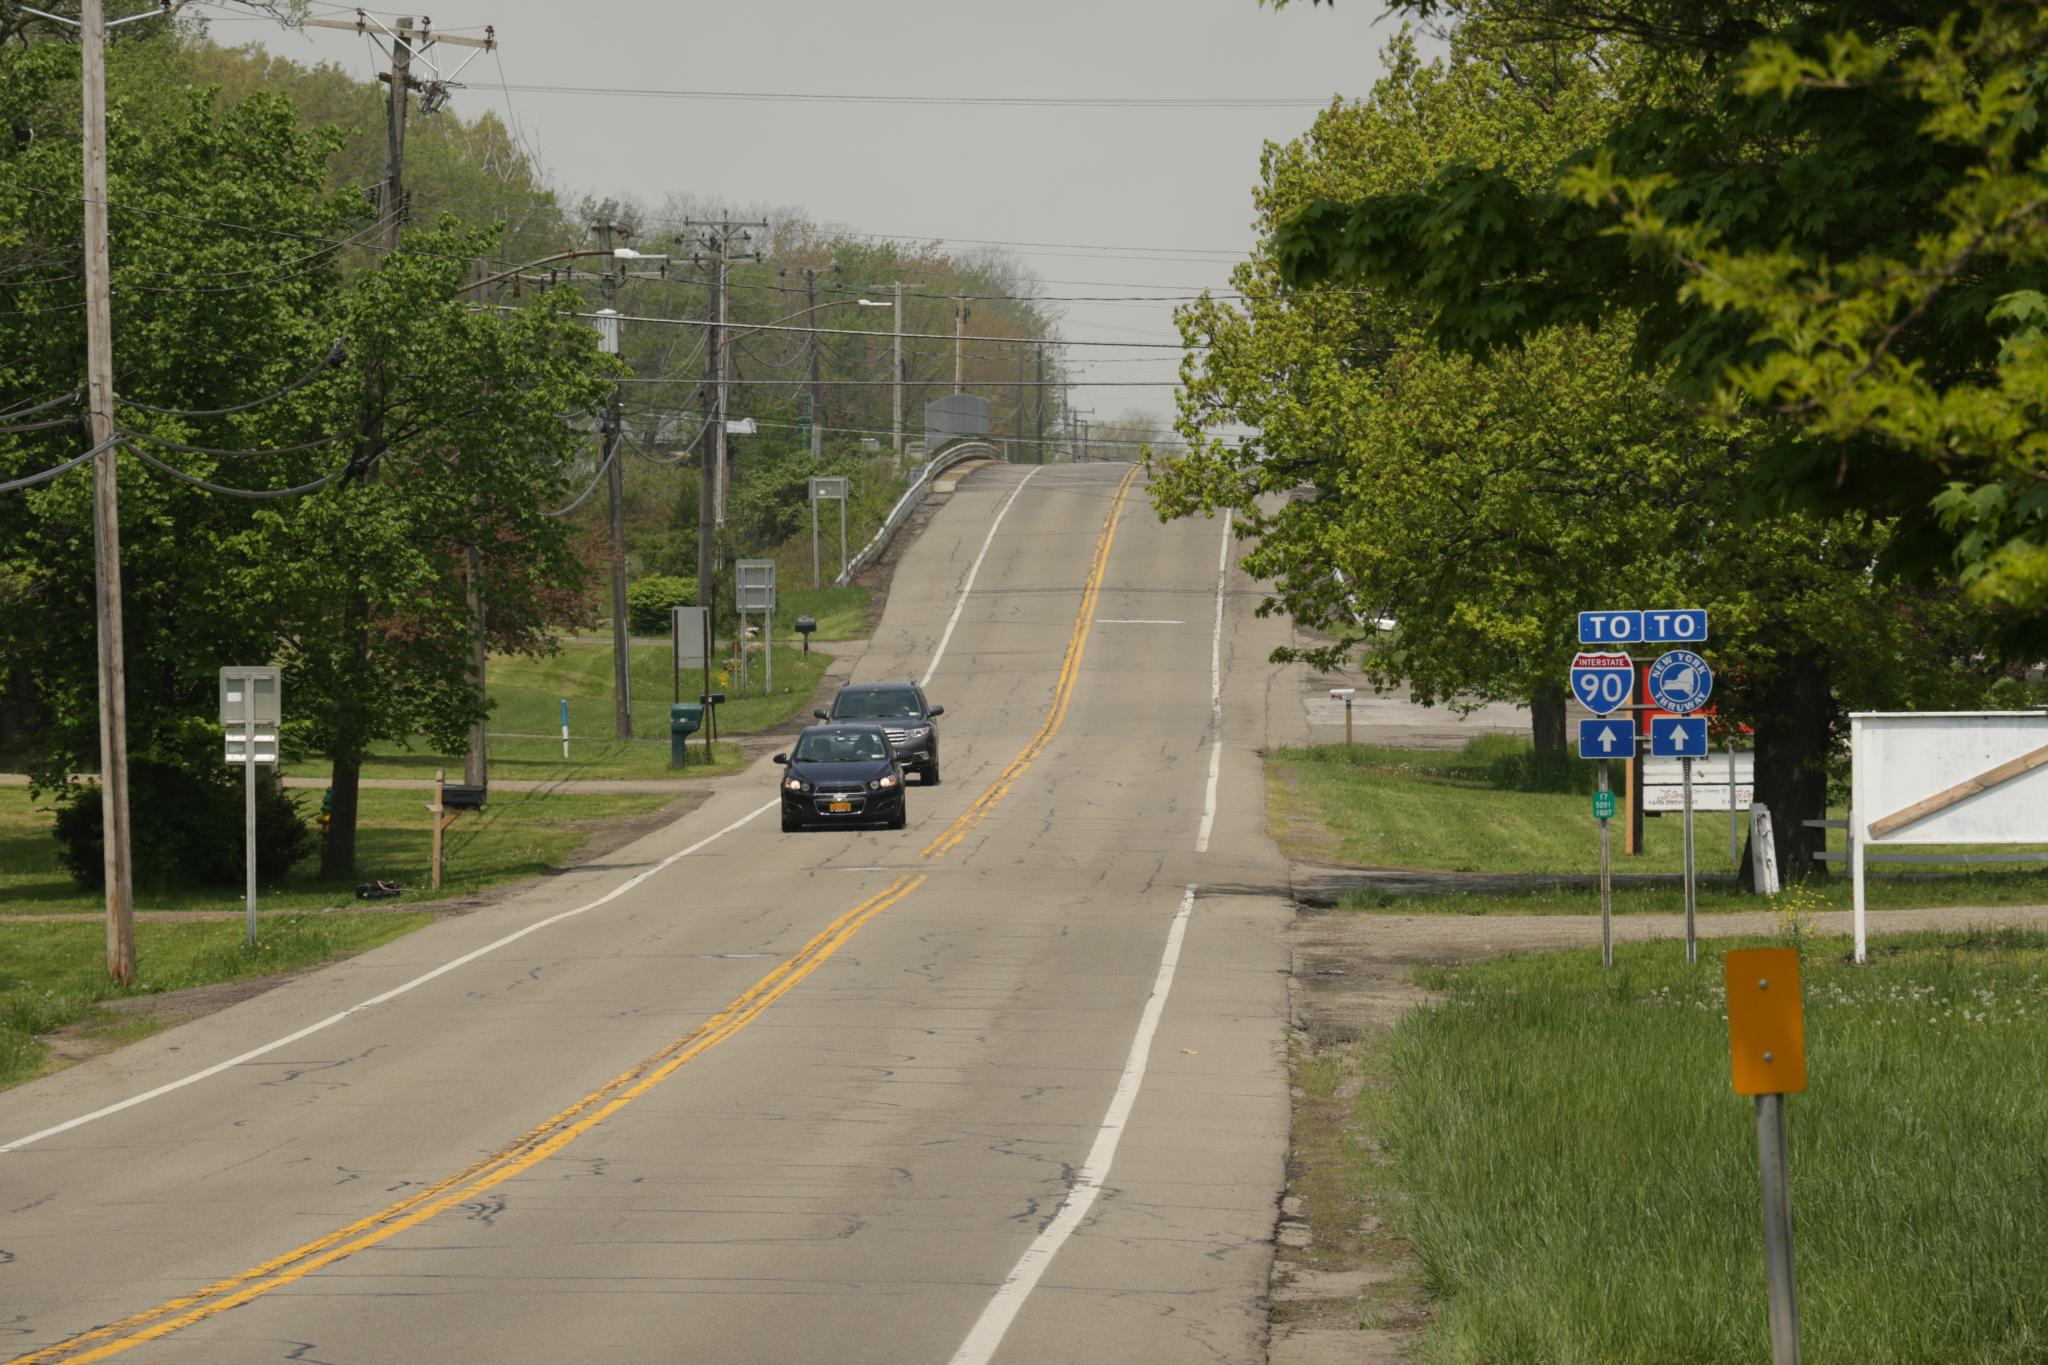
x: 1038, y: 404
x: 959, y: 344
x: 615, y: 494
x: 106, y: 519
x: 896, y: 378
x: 393, y: 206
x: 817, y: 368
x: 716, y: 250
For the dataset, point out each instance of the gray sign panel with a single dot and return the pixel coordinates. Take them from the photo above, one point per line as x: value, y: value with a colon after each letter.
x: 954, y: 416
x: 824, y: 489
x: 689, y: 637
x: 754, y: 584
x: 248, y: 694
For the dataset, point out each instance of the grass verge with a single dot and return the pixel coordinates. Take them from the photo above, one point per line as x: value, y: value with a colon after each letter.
x: 55, y: 974
x: 526, y: 724
x: 1582, y: 1185
x: 520, y: 834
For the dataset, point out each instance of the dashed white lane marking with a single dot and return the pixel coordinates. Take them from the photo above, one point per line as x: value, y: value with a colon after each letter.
x: 1215, y: 695
x: 987, y: 1333
x: 968, y: 586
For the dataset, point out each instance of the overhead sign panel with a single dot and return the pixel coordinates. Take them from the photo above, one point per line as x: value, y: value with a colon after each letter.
x: 1603, y: 682
x: 1607, y: 739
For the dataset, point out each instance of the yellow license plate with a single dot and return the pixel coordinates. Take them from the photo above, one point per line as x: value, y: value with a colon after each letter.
x: 837, y: 806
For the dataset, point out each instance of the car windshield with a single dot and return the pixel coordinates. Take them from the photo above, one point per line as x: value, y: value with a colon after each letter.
x: 845, y: 746
x: 896, y: 702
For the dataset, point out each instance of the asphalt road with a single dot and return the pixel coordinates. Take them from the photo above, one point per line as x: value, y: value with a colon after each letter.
x: 1007, y: 1085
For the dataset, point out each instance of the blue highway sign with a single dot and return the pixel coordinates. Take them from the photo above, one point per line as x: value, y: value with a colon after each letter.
x: 1680, y: 682
x: 1607, y: 738
x: 1680, y: 626
x: 1603, y: 682
x: 1610, y: 627
x: 1678, y: 736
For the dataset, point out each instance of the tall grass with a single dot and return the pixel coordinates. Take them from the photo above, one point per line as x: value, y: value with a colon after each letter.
x: 1583, y: 1183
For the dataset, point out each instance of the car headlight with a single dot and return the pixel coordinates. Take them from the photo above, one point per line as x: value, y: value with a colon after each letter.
x: 918, y: 732
x: 884, y: 781
x: 795, y: 784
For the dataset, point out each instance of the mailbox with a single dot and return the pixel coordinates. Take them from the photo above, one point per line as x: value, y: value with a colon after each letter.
x: 464, y: 795
x: 684, y: 719
x: 804, y: 626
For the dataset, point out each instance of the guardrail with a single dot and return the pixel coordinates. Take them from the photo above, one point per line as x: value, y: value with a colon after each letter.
x: 913, y: 496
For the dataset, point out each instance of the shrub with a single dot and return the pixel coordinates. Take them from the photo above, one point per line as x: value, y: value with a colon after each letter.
x: 650, y: 601
x: 185, y: 828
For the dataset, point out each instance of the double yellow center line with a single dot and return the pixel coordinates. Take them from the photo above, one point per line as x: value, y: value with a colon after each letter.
x: 1063, y: 691
x: 546, y: 1139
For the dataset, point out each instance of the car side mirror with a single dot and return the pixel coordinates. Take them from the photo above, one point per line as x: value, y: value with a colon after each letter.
x: 780, y: 758
x: 821, y: 715
x: 936, y: 712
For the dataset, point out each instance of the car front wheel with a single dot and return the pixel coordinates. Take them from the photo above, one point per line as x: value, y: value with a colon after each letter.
x: 929, y: 774
x: 790, y: 824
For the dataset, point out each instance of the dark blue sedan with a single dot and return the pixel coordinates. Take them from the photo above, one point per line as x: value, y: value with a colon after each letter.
x: 842, y: 775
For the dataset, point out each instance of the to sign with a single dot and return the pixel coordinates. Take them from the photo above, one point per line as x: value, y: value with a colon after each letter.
x: 1607, y: 739
x: 1681, y: 682
x: 1661, y: 626
x: 1678, y: 736
x: 1610, y: 627
x: 1683, y: 626
x: 1603, y: 682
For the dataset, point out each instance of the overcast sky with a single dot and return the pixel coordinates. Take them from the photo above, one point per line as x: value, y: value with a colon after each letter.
x: 1151, y: 200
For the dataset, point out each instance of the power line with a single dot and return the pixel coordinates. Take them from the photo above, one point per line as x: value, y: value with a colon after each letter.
x: 334, y: 357
x: 740, y: 328
x: 217, y: 453
x: 30, y: 480
x: 977, y: 101
x: 182, y: 477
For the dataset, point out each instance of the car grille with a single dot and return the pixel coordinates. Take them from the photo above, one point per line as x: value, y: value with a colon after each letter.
x: 896, y: 736
x: 837, y: 788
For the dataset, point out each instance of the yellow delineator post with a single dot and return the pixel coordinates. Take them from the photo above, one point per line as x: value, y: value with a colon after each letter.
x: 1767, y: 1049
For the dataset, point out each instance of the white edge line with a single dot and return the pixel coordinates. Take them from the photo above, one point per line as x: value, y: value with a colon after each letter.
x: 1215, y: 695
x: 968, y: 586
x: 621, y: 889
x: 988, y: 1330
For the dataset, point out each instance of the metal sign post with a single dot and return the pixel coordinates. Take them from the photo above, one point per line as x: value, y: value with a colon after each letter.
x: 249, y: 702
x: 1681, y: 682
x: 1767, y: 1048
x: 754, y: 590
x: 1606, y: 870
x: 1604, y: 741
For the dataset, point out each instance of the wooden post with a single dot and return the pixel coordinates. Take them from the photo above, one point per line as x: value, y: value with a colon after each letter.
x: 440, y: 822
x: 106, y: 517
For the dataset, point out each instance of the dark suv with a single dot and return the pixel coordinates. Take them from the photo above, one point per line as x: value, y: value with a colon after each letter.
x: 901, y: 709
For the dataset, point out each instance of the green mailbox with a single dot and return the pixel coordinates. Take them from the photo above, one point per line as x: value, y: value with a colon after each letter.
x: 684, y: 719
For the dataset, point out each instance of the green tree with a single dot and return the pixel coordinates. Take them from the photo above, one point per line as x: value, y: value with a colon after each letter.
x: 1832, y: 215
x: 1483, y: 501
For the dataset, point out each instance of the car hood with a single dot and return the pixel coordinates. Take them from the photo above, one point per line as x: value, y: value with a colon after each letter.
x: 866, y: 771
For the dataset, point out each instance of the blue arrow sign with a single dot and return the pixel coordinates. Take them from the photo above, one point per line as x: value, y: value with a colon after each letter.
x: 1677, y: 626
x: 1603, y: 682
x: 1607, y: 739
x: 1678, y: 736
x: 1680, y: 682
x: 1610, y: 627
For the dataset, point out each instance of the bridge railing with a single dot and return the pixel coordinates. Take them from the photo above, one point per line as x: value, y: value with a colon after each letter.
x: 920, y: 484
